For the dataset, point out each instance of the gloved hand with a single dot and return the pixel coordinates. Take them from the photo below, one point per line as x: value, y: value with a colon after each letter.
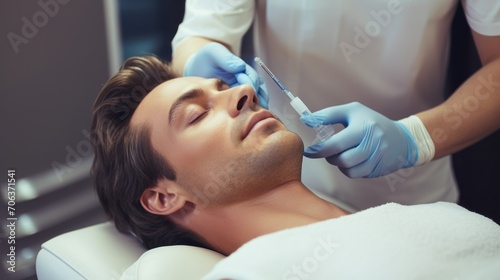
x: 369, y: 146
x: 214, y: 60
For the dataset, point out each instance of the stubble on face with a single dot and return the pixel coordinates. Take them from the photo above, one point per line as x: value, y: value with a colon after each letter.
x: 253, y: 170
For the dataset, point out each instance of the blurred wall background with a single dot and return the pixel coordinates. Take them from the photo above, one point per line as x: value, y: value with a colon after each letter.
x: 50, y: 74
x: 55, y: 55
x: 54, y: 58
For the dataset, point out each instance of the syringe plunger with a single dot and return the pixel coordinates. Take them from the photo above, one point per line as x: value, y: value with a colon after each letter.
x: 323, y: 132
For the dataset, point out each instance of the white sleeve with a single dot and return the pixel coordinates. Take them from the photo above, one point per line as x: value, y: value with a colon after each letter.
x: 483, y: 16
x: 222, y: 20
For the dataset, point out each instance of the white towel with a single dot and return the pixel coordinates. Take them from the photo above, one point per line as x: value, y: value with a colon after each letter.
x: 433, y: 241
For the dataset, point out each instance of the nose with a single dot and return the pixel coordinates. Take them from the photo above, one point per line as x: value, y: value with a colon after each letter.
x: 241, y: 97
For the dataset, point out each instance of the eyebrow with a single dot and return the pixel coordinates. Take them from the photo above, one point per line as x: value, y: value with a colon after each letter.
x: 188, y: 95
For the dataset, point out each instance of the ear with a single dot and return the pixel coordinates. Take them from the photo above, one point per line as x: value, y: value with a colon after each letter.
x: 163, y: 199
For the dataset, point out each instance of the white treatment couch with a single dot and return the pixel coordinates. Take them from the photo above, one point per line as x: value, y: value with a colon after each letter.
x: 101, y: 252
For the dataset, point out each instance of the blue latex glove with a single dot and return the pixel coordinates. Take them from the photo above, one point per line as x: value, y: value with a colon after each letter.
x: 214, y: 60
x: 369, y: 146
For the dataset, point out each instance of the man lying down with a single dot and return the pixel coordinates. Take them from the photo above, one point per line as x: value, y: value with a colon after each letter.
x: 192, y: 161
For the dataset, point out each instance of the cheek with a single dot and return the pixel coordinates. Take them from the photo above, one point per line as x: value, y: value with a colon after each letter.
x: 204, y: 143
x: 200, y: 153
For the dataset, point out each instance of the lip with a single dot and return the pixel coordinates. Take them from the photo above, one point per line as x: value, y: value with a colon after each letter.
x: 257, y: 117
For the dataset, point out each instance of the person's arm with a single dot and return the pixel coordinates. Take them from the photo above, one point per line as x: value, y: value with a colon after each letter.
x: 202, y: 57
x: 472, y: 112
x: 372, y: 145
x: 208, y: 41
x: 186, y: 49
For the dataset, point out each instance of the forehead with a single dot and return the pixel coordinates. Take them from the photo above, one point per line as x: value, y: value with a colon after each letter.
x: 160, y: 99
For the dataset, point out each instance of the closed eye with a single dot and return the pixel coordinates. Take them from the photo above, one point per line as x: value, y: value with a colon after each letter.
x: 221, y: 86
x: 198, y: 118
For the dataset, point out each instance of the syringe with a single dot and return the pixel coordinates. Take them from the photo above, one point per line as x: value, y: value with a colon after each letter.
x: 323, y: 132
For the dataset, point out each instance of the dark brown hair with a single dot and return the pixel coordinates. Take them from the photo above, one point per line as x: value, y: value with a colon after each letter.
x: 125, y: 163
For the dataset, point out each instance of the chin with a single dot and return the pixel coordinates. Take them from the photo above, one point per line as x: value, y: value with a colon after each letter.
x: 282, y: 150
x: 277, y: 159
x: 286, y: 137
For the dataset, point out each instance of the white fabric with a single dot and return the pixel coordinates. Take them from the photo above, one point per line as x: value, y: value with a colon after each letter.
x: 483, y: 16
x: 95, y: 252
x: 431, y: 241
x: 229, y: 20
x: 387, y: 54
x: 101, y: 252
x: 425, y: 145
x: 50, y: 266
x: 173, y: 262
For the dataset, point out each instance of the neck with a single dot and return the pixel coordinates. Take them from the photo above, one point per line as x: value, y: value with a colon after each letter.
x: 290, y: 205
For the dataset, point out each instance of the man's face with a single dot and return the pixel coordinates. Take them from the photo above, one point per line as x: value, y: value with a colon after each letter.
x: 222, y: 145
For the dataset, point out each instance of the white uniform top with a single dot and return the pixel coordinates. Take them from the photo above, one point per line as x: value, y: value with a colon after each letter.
x: 390, y: 55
